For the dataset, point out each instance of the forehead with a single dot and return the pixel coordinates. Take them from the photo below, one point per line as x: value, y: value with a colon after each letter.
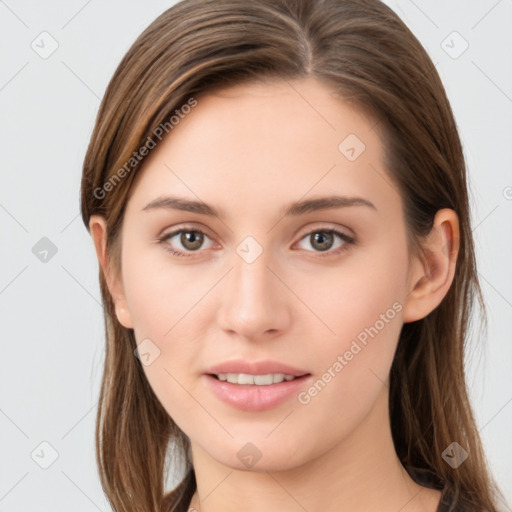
x: 252, y: 144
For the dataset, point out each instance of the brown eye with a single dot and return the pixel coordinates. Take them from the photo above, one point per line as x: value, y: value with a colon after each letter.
x: 321, y: 240
x: 191, y: 240
x: 185, y: 241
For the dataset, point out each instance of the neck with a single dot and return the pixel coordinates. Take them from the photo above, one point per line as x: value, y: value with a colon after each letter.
x: 360, y: 473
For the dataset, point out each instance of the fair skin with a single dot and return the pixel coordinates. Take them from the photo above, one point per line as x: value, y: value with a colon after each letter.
x: 249, y: 151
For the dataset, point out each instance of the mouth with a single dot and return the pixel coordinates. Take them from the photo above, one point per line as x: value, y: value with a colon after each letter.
x: 256, y: 392
x: 247, y: 379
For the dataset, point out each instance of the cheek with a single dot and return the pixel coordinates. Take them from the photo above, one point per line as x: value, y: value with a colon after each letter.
x: 170, y: 310
x: 354, y: 295
x: 361, y: 303
x: 161, y: 295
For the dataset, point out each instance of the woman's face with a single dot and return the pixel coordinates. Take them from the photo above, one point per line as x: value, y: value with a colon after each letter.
x: 265, y: 279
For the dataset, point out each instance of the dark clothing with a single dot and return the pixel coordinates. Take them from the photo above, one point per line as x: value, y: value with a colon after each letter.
x: 448, y: 502
x: 448, y: 505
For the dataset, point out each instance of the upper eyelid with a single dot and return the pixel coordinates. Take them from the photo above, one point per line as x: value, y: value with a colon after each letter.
x: 324, y: 227
x: 175, y: 231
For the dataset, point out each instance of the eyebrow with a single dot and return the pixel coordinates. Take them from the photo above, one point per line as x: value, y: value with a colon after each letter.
x: 294, y: 209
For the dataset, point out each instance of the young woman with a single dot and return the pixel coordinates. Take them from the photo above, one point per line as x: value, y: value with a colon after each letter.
x: 277, y: 195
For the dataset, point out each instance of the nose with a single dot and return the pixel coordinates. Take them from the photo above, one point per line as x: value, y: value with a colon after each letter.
x: 254, y: 304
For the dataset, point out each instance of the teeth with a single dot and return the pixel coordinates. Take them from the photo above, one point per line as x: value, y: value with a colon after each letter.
x: 259, y: 380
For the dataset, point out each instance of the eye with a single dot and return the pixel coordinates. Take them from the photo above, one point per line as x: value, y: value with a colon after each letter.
x: 184, y: 241
x: 322, y: 240
x: 190, y: 240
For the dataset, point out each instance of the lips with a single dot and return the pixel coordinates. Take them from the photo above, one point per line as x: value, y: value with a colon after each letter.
x: 252, y: 397
x: 255, y: 368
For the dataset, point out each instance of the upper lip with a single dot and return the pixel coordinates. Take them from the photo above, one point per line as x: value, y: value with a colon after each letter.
x: 255, y: 368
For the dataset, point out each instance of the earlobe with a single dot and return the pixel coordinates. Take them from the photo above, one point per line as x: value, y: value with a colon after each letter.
x: 432, y: 272
x: 98, y: 230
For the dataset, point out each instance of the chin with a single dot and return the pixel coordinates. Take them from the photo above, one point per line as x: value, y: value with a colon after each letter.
x: 261, y: 456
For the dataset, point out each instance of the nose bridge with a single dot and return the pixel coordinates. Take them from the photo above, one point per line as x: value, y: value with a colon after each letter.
x: 253, y: 301
x: 252, y: 277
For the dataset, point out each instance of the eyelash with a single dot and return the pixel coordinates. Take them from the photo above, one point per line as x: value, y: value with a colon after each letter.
x: 348, y: 242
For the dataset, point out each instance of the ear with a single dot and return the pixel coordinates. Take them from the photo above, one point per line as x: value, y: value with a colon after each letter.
x: 98, y: 230
x: 432, y: 271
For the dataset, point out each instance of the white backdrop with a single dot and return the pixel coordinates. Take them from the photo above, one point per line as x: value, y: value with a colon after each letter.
x: 56, y: 60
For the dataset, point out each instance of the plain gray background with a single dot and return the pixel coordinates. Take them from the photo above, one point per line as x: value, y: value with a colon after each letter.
x: 52, y: 324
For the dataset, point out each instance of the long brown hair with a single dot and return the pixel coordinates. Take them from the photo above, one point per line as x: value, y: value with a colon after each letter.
x: 363, y: 50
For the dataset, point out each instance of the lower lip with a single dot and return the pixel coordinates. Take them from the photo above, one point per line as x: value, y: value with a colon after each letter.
x: 249, y: 397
